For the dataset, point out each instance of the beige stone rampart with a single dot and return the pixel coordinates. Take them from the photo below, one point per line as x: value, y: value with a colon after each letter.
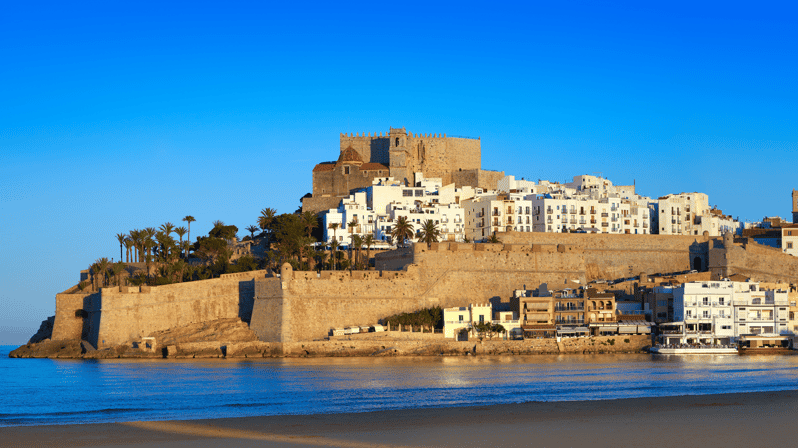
x: 758, y: 262
x: 122, y: 314
x: 68, y: 324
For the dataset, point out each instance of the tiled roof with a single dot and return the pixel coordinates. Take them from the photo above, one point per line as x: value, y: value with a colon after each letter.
x: 325, y: 166
x: 349, y: 155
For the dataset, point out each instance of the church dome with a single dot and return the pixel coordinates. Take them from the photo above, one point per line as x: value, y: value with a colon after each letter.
x: 350, y: 156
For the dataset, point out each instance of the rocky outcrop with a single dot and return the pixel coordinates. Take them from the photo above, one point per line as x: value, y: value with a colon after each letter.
x: 49, y: 349
x: 45, y: 331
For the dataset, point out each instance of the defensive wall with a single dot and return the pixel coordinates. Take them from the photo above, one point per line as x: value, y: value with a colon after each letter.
x: 122, y: 313
x: 304, y: 306
x: 758, y: 262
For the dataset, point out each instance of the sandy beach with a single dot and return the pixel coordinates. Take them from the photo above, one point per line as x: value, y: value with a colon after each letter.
x: 749, y: 419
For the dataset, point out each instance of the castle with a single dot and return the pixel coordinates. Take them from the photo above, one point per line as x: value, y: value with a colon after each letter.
x: 400, y: 155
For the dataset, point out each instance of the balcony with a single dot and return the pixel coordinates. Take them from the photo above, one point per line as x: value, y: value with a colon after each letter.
x: 570, y: 322
x: 605, y: 215
x: 549, y: 211
x: 566, y: 309
x: 605, y: 224
x: 496, y: 213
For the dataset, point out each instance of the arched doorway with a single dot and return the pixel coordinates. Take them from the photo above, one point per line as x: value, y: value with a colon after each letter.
x: 697, y: 263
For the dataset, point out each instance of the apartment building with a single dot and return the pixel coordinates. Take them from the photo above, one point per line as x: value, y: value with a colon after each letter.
x: 690, y: 214
x: 721, y: 312
x: 559, y: 213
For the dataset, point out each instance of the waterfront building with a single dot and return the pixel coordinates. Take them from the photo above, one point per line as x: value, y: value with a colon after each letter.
x: 459, y: 322
x: 721, y: 312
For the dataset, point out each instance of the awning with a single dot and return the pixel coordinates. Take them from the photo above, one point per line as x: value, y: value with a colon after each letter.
x: 627, y: 329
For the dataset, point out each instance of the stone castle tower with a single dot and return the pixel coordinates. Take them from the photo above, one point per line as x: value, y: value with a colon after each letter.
x: 398, y: 154
x: 795, y: 206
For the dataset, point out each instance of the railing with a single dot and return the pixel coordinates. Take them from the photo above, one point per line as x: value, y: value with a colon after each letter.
x: 570, y: 322
x: 569, y: 308
x: 496, y: 213
x: 605, y: 215
x: 605, y: 224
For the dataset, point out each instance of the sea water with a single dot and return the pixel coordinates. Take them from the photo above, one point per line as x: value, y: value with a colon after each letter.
x: 47, y: 391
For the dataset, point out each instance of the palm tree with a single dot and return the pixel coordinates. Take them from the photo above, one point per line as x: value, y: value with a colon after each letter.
x: 180, y: 231
x: 310, y: 222
x: 493, y: 239
x: 351, y: 225
x: 402, y: 231
x: 167, y: 228
x: 218, y: 223
x: 429, y: 233
x: 102, y: 269
x: 117, y: 269
x: 128, y: 246
x: 368, y: 241
x: 334, y: 227
x: 252, y: 230
x: 189, y: 219
x: 266, y: 218
x: 121, y: 238
x: 333, y: 250
x: 357, y: 241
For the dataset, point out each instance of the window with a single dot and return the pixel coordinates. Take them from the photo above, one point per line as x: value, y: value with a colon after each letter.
x: 397, y: 141
x: 461, y: 317
x: 346, y: 170
x: 407, y: 193
x: 789, y: 245
x: 419, y: 193
x: 481, y: 319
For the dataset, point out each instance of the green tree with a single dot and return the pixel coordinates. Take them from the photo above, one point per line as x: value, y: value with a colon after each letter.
x: 493, y: 239
x: 429, y: 233
x: 266, y: 217
x: 252, y: 229
x: 189, y: 219
x: 310, y: 221
x: 116, y: 269
x: 402, y: 231
x: 212, y: 249
x: 102, y: 270
x: 351, y: 226
x: 128, y: 247
x: 180, y: 231
x: 334, y: 227
x: 121, y: 237
x: 357, y: 242
x: 368, y: 241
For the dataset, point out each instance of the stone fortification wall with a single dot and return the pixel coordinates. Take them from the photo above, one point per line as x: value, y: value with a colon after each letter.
x: 487, y: 180
x: 305, y: 306
x: 758, y: 262
x: 372, y: 147
x: 69, y: 314
x: 120, y: 314
x: 616, y: 256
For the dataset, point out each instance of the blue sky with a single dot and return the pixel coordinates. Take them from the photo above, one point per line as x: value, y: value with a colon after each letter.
x: 120, y: 117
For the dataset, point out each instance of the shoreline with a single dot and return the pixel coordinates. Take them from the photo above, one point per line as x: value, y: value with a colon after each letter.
x: 732, y: 419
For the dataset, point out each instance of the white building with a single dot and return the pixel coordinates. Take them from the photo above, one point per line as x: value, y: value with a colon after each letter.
x: 458, y: 318
x: 690, y: 214
x: 375, y: 210
x: 562, y: 213
x: 720, y: 312
x: 789, y: 240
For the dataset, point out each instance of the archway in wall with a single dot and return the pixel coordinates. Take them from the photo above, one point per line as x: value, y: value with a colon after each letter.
x: 697, y: 264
